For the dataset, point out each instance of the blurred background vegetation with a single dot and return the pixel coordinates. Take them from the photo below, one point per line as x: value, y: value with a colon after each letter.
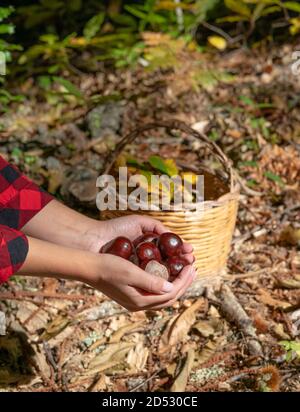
x: 50, y: 39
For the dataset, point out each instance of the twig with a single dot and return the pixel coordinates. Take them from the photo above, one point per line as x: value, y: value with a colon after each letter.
x: 51, y: 385
x: 218, y: 31
x: 49, y: 355
x: 235, y: 312
x: 60, y: 375
x: 234, y: 276
x: 32, y: 315
x: 288, y: 210
x: 146, y: 381
x: 244, y: 186
x: 52, y: 365
x: 22, y: 293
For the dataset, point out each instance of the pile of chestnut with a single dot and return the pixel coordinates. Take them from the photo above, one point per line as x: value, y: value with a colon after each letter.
x: 161, y: 255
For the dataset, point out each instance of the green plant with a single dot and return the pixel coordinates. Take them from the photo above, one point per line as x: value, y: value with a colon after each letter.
x: 292, y: 348
x: 6, y: 29
x: 56, y: 87
x: 251, y: 11
x: 6, y: 49
x: 51, y: 50
x: 47, y: 10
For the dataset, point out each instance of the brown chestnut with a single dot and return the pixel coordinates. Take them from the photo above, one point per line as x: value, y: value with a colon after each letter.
x: 120, y: 246
x: 148, y: 251
x: 175, y: 265
x: 146, y: 237
x: 169, y: 244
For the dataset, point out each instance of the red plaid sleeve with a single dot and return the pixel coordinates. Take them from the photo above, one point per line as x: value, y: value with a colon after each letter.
x: 13, y: 251
x: 20, y: 198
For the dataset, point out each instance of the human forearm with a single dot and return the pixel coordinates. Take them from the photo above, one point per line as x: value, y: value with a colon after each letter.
x: 59, y: 224
x: 117, y: 278
x: 48, y: 259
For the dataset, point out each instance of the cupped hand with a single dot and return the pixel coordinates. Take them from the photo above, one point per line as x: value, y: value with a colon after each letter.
x: 134, y: 288
x: 131, y: 227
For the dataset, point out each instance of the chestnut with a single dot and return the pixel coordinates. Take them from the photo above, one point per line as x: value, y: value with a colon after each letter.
x: 144, y: 263
x: 169, y: 244
x: 146, y: 237
x: 175, y: 265
x: 148, y: 251
x: 157, y: 269
x: 120, y: 246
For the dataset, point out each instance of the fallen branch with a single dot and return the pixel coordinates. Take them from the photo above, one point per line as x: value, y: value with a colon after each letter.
x: 233, y: 310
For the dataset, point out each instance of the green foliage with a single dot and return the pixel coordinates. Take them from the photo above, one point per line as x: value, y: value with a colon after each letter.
x: 6, y: 29
x: 111, y: 30
x: 6, y: 98
x: 56, y: 87
x: 37, y: 14
x: 51, y: 50
x: 46, y: 38
x: 273, y: 177
x: 251, y: 11
x: 148, y: 16
x: 6, y: 47
x: 162, y: 166
x: 93, y: 25
x: 292, y: 349
x: 69, y: 87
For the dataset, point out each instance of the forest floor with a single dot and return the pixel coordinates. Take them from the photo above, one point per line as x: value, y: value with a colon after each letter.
x: 64, y: 336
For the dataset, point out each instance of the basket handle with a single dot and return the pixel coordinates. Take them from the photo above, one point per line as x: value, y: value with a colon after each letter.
x: 170, y: 124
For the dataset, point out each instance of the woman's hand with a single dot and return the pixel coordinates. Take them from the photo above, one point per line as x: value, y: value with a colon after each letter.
x: 61, y: 225
x: 117, y: 278
x: 74, y: 254
x: 134, y: 288
x: 129, y: 226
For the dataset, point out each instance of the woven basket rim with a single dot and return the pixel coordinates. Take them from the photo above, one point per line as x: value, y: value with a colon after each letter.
x: 205, y: 205
x: 173, y: 124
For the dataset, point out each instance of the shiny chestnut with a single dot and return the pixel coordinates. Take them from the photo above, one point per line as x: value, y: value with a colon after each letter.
x: 148, y: 251
x: 169, y: 244
x: 175, y: 265
x: 146, y: 237
x: 120, y: 246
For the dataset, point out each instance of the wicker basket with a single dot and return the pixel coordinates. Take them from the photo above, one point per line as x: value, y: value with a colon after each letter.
x: 210, y: 231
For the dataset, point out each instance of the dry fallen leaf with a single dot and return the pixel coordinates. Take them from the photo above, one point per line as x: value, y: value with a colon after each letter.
x: 101, y: 384
x: 267, y: 299
x: 55, y: 179
x: 205, y: 328
x: 54, y: 327
x: 171, y: 369
x: 50, y: 285
x: 290, y: 236
x: 180, y: 327
x: 180, y: 382
x: 279, y: 332
x: 32, y: 317
x: 289, y: 283
x: 118, y: 335
x: 109, y: 357
x: 137, y: 358
x: 208, y: 351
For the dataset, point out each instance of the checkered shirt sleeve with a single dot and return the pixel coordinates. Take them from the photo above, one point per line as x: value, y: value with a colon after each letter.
x: 20, y: 200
